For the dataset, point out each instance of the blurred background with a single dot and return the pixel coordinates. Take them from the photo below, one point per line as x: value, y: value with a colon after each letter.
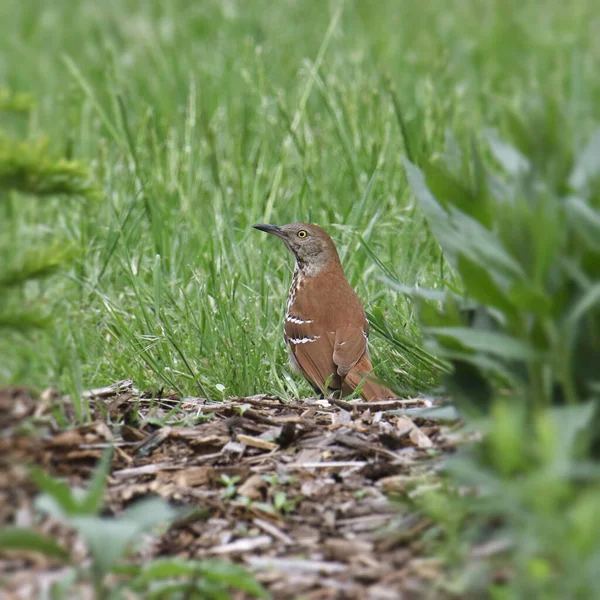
x: 190, y: 121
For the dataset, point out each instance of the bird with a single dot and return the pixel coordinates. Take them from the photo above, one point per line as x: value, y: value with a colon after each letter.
x: 325, y: 325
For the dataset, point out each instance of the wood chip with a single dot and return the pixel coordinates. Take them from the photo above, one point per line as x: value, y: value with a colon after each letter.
x: 192, y: 476
x: 417, y: 437
x: 341, y: 549
x: 254, y: 488
x: 147, y: 447
x: 243, y: 545
x: 256, y: 442
x: 272, y: 530
x: 295, y: 565
x: 66, y: 438
x: 297, y: 488
x: 380, y: 404
x: 332, y: 464
x: 151, y: 469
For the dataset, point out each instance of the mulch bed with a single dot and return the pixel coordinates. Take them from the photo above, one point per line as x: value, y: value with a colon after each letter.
x: 301, y: 493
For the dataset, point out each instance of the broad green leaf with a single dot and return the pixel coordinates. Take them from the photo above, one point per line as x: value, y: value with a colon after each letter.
x: 444, y: 186
x: 481, y: 361
x: 21, y: 538
x: 456, y: 232
x: 212, y: 576
x: 433, y: 316
x: 128, y: 569
x: 506, y: 438
x: 109, y: 538
x: 149, y: 512
x: 439, y: 413
x: 481, y: 286
x: 509, y: 157
x: 470, y: 472
x: 584, y: 514
x: 204, y: 590
x: 570, y: 422
x: 92, y: 503
x: 584, y: 218
x: 437, y: 217
x: 219, y: 571
x: 451, y: 191
x: 61, y: 589
x: 589, y: 300
x: 585, y: 470
x: 469, y: 387
x: 587, y: 164
x: 163, y: 568
x: 549, y: 237
x: 483, y: 246
x: 497, y: 344
x: 414, y: 292
x: 106, y: 538
x: 524, y: 297
x: 62, y: 500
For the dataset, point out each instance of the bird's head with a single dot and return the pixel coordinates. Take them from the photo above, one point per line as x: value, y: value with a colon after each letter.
x: 311, y: 245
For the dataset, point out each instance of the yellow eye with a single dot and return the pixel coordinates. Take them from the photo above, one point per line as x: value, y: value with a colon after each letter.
x: 302, y: 233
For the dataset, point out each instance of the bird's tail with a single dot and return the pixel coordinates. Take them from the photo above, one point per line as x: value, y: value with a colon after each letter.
x: 374, y: 390
x: 371, y: 387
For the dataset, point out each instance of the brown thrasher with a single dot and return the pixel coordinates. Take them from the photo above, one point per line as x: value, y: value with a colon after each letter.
x: 325, y: 325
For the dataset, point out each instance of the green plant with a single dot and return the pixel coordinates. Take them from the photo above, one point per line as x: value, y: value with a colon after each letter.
x: 520, y: 506
x: 230, y: 483
x: 525, y: 246
x: 523, y: 340
x: 27, y: 170
x: 110, y: 539
x: 26, y: 167
x: 178, y: 578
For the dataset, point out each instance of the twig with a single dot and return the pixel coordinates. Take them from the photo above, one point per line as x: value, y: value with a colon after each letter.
x: 272, y: 530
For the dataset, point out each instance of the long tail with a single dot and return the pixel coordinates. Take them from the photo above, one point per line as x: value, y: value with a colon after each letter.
x: 371, y: 388
x: 374, y: 390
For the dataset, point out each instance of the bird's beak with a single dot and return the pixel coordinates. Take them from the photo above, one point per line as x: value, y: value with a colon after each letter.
x: 270, y: 229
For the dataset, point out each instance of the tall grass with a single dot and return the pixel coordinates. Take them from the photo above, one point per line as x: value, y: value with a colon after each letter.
x: 200, y: 119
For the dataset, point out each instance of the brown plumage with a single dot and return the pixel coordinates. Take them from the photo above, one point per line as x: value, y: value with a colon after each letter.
x: 325, y: 325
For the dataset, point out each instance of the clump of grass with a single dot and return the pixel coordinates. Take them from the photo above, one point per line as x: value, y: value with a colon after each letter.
x: 200, y: 120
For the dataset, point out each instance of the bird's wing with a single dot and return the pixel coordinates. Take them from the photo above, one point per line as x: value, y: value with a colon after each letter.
x: 314, y: 358
x: 353, y: 361
x: 349, y: 346
x: 312, y: 349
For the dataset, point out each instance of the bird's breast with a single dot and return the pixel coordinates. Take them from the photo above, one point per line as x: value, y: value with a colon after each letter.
x: 323, y: 302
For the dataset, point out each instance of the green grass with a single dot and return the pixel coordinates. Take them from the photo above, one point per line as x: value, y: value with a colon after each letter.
x: 202, y: 118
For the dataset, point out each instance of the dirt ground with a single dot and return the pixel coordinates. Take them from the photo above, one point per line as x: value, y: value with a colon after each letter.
x: 312, y: 496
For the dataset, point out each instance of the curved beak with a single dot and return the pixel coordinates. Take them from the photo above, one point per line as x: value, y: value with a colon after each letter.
x: 270, y: 229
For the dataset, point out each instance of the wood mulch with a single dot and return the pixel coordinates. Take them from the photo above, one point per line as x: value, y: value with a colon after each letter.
x: 313, y: 496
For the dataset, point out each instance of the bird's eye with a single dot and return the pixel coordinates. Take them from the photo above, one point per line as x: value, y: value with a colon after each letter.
x: 302, y: 233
